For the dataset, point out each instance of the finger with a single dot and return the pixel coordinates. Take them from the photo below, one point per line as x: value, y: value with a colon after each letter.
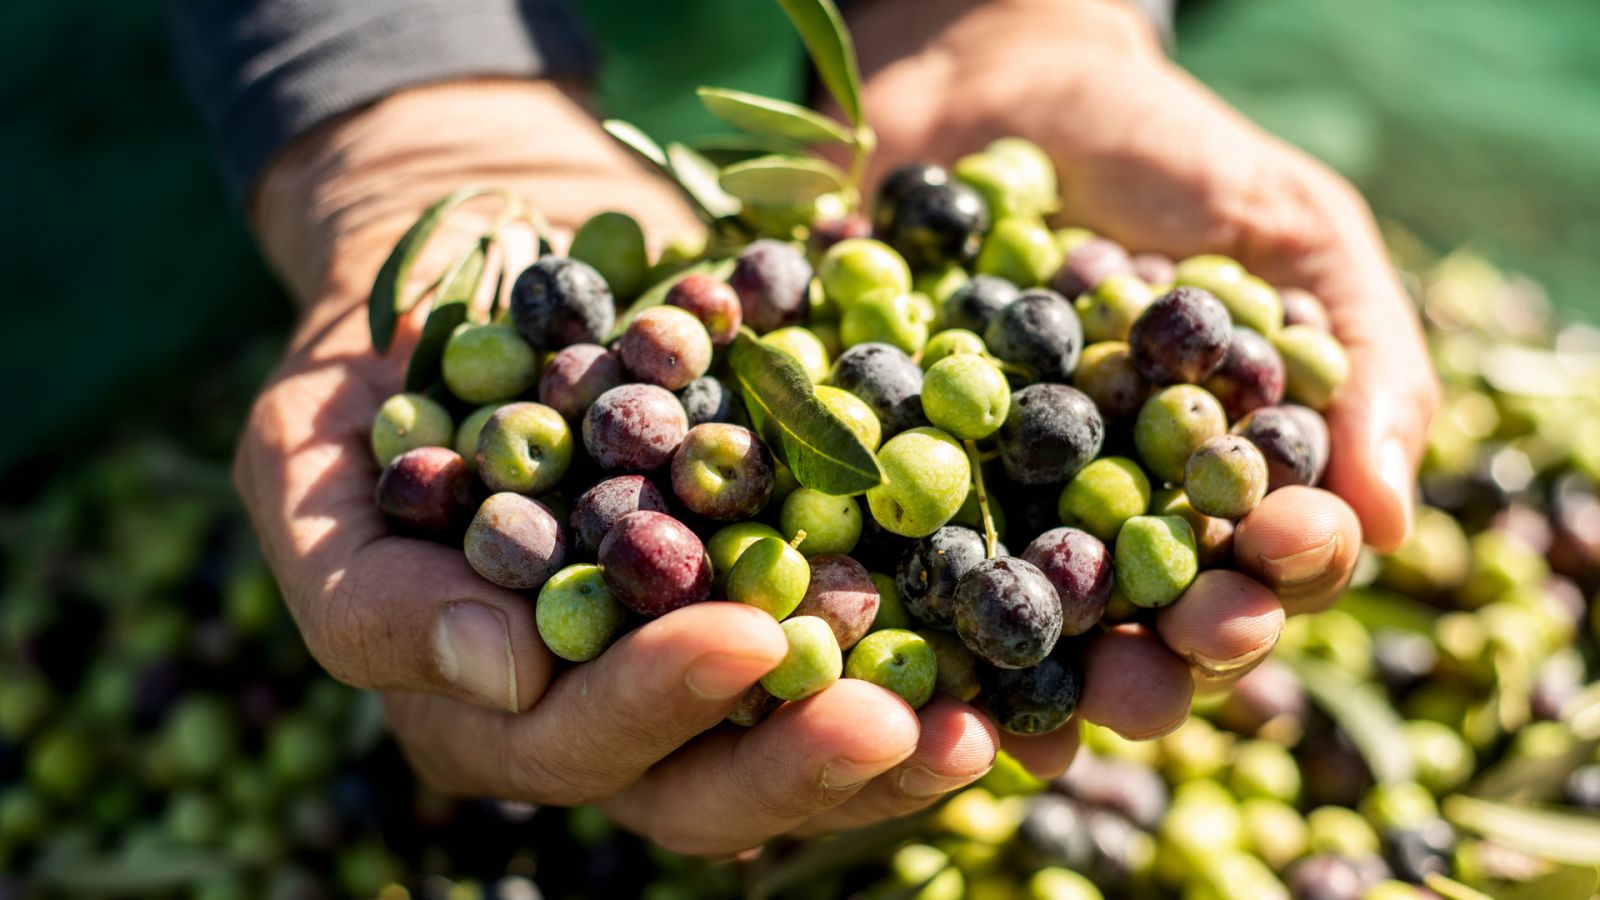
x: 1046, y: 756
x: 411, y: 615
x: 733, y: 789
x: 378, y: 612
x: 1326, y: 241
x: 1224, y: 624
x: 957, y: 747
x: 601, y: 724
x: 1303, y: 544
x: 1133, y: 684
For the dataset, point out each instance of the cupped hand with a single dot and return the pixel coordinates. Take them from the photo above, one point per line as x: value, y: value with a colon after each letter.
x: 1149, y: 158
x: 477, y: 702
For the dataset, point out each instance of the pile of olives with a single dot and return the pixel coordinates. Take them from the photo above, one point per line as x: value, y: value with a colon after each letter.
x: 1109, y: 415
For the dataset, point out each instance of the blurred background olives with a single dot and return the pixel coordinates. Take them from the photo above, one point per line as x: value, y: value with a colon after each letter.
x: 162, y: 730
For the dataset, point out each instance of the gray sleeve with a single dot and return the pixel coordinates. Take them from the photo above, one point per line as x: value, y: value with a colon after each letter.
x: 265, y: 71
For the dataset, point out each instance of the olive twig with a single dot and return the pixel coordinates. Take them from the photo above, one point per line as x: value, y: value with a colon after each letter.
x: 866, y: 141
x: 989, y: 537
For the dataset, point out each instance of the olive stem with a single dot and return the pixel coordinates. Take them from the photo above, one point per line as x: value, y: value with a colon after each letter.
x: 865, y: 142
x: 989, y: 537
x: 799, y: 538
x: 1023, y: 372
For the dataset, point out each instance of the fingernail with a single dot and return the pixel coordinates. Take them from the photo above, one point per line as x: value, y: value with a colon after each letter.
x: 848, y: 773
x: 1394, y: 468
x: 720, y: 676
x: 472, y: 645
x: 1221, y: 668
x: 921, y: 781
x: 1302, y: 567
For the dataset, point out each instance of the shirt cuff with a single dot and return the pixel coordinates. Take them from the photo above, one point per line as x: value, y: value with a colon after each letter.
x: 264, y: 72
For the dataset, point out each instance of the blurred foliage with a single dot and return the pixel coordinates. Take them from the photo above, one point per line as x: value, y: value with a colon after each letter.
x: 159, y: 719
x: 1472, y: 121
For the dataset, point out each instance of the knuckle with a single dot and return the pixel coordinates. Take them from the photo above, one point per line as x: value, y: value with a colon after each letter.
x: 787, y: 798
x: 337, y: 634
x: 538, y: 779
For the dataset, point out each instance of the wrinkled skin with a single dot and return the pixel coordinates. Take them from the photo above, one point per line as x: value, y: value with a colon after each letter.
x: 1085, y: 80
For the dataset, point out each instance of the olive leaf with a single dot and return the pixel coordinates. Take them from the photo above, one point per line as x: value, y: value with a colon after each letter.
x: 629, y: 135
x: 1362, y: 712
x: 1559, y: 835
x: 822, y: 30
x: 727, y: 149
x: 821, y: 450
x: 772, y: 117
x: 692, y: 173
x: 1558, y: 884
x: 1385, y: 609
x: 782, y: 181
x: 715, y: 268
x: 388, y: 302
x: 450, y: 308
x: 698, y: 178
x: 1450, y: 889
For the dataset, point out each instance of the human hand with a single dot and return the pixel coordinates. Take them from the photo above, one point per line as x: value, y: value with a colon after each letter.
x: 475, y: 699
x: 1151, y: 159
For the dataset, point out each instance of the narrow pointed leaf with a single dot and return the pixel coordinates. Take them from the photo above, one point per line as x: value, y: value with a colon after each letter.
x: 824, y: 454
x: 698, y: 178
x: 776, y: 118
x: 692, y: 173
x: 727, y: 149
x: 1450, y: 889
x: 1385, y: 609
x: 656, y: 293
x: 782, y: 181
x: 629, y: 135
x: 822, y: 30
x: 1559, y: 835
x: 451, y: 307
x: 1362, y: 712
x: 388, y: 302
x: 1562, y: 883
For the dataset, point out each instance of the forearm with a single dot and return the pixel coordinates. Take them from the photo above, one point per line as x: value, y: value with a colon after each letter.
x: 329, y: 207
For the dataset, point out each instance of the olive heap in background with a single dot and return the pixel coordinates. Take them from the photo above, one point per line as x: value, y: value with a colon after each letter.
x: 162, y: 725
x: 1109, y: 416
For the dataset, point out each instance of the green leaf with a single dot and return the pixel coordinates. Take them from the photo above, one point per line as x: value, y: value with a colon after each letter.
x: 388, y: 302
x: 828, y: 41
x: 824, y: 454
x: 451, y: 306
x: 772, y: 117
x: 727, y: 149
x: 1450, y: 889
x: 1386, y: 609
x: 1362, y: 711
x: 782, y: 181
x: 1564, y: 836
x: 697, y: 176
x: 1561, y: 883
x: 716, y: 268
x: 631, y: 137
